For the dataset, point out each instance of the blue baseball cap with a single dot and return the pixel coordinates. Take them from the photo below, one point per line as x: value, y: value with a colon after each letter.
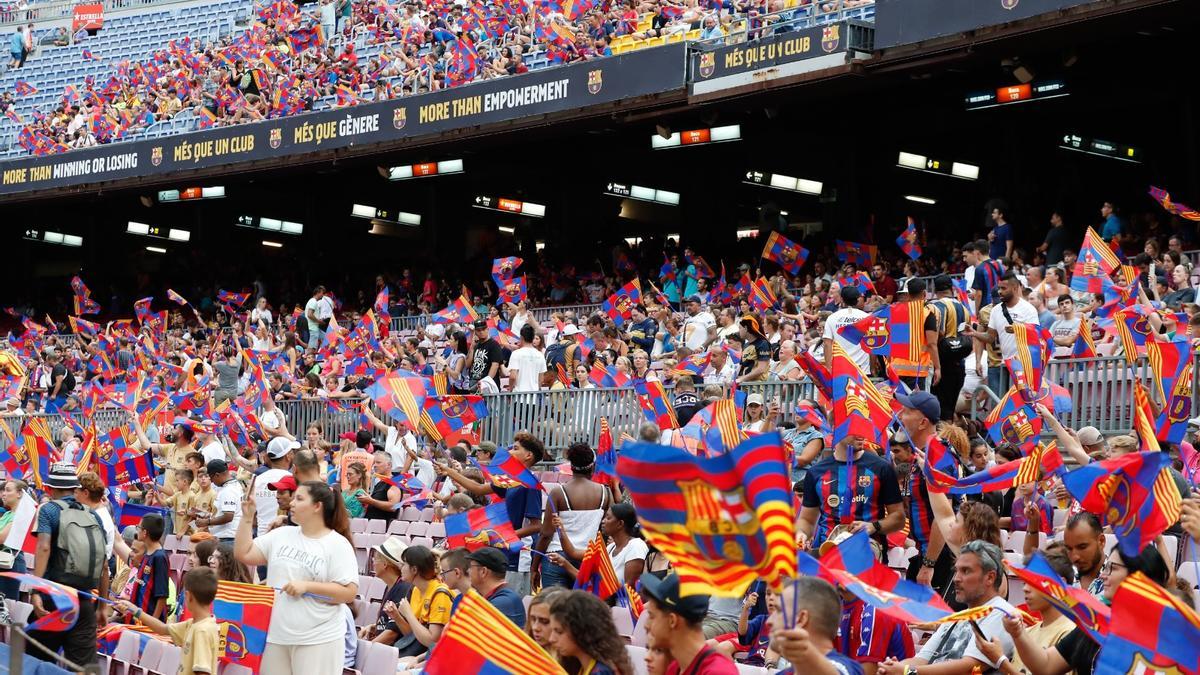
x: 924, y: 401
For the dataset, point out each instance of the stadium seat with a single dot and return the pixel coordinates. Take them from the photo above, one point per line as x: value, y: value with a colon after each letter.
x: 126, y: 653
x: 410, y: 513
x: 360, y: 655
x: 639, y: 631
x: 427, y: 514
x: 376, y: 526
x: 381, y: 660
x: 418, y: 529
x: 637, y: 656
x: 427, y: 542
x: 358, y: 525
x: 149, y: 661
x: 437, y: 531
x: 169, y: 663
x: 1015, y: 542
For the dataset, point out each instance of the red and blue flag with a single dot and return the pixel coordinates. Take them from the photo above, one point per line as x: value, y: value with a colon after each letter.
x: 907, y: 241
x: 619, y: 306
x: 482, y: 527
x: 402, y: 398
x: 1182, y: 210
x: 64, y: 599
x: 896, y: 331
x: 1043, y: 460
x: 862, y: 255
x: 480, y: 640
x: 859, y: 409
x: 451, y: 413
x: 508, y: 471
x: 1085, y: 609
x: 1151, y: 631
x: 786, y: 253
x: 1134, y: 494
x: 596, y: 574
x: 655, y: 407
x: 1094, y: 265
x: 244, y: 613
x: 608, y: 376
x: 1172, y: 365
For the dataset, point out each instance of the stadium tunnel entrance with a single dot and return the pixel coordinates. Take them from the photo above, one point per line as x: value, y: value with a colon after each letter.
x: 1115, y: 127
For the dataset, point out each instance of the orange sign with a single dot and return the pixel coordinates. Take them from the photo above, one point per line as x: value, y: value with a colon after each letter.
x: 1014, y: 93
x: 88, y: 17
x: 696, y: 136
x: 426, y: 169
x: 509, y: 205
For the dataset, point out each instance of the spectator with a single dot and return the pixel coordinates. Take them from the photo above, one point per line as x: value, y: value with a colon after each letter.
x: 537, y: 625
x: 199, y: 637
x: 808, y: 643
x: 486, y: 360
x: 674, y: 624
x: 266, y: 502
x: 699, y: 328
x: 828, y: 500
x: 356, y: 481
x: 316, y: 557
x: 388, y: 563
x: 626, y: 547
x: 150, y: 591
x: 486, y: 569
x: 849, y: 313
x: 10, y: 498
x: 572, y: 520
x: 1012, y: 309
x: 1000, y: 246
x: 427, y: 610
x: 318, y: 311
x: 224, y: 524
x: 584, y: 637
x: 1112, y: 223
x: 526, y: 365
x: 381, y: 503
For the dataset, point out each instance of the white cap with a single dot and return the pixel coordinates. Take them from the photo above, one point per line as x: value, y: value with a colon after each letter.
x: 280, y: 446
x: 569, y: 330
x: 753, y: 399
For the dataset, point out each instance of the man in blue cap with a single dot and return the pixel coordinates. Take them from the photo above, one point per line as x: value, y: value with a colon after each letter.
x: 935, y: 564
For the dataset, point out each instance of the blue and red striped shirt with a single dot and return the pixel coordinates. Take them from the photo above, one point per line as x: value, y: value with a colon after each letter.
x: 845, y: 492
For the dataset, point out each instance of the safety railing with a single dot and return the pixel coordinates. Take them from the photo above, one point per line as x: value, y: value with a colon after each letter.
x: 40, y: 12
x: 419, y: 321
x: 747, y: 29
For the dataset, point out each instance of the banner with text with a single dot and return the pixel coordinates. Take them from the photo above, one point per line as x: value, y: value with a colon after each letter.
x: 87, y: 17
x: 773, y: 55
x: 553, y: 90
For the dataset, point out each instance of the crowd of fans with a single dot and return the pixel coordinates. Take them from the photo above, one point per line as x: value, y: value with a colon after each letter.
x: 280, y: 512
x: 288, y: 60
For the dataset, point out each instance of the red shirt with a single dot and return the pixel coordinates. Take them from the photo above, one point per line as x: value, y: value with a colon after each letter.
x: 707, y: 662
x: 886, y: 286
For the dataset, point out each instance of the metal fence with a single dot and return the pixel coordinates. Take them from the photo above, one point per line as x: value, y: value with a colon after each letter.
x: 417, y: 321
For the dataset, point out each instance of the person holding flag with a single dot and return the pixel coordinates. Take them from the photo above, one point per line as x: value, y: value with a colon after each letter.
x: 523, y: 503
x: 10, y: 498
x: 574, y: 515
x: 935, y: 564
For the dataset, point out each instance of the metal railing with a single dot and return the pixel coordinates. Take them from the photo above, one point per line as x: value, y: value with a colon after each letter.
x: 41, y: 12
x: 747, y: 29
x: 418, y: 321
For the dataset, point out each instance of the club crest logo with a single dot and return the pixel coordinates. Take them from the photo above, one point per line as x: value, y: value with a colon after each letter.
x: 1015, y: 428
x: 708, y: 64
x: 595, y: 81
x: 233, y: 641
x: 877, y: 334
x: 830, y: 37
x: 399, y: 117
x: 1179, y: 408
x: 276, y: 138
x: 455, y: 406
x: 156, y: 155
x: 711, y: 511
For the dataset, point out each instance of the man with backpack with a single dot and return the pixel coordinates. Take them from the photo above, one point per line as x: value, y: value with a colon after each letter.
x: 70, y: 551
x: 563, y: 353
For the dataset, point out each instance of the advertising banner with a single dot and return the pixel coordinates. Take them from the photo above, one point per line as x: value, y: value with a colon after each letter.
x: 87, y: 17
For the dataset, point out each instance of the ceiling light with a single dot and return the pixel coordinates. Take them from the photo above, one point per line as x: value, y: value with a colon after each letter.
x: 506, y: 229
x: 156, y: 249
x: 72, y: 240
x: 911, y: 160
x: 272, y: 244
x: 179, y: 235
x: 919, y: 199
x: 137, y: 228
x: 964, y: 170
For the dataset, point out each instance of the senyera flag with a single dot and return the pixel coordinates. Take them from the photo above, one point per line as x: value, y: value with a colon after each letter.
x: 479, y: 640
x: 723, y: 521
x: 1182, y: 210
x: 859, y: 409
x: 480, y: 528
x: 401, y: 397
x: 1085, y: 609
x: 64, y: 599
x: 1134, y: 494
x: 596, y: 574
x: 1094, y: 265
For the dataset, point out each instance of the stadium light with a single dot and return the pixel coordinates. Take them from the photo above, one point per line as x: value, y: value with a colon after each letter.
x: 732, y: 132
x: 137, y: 228
x: 506, y: 229
x: 644, y: 194
x: 72, y: 240
x: 964, y: 170
x: 191, y: 194
x: 747, y: 233
x: 674, y: 235
x: 782, y: 182
x: 920, y: 200
x: 443, y: 168
x: 910, y: 160
x: 50, y: 237
x: 179, y: 235
x: 925, y: 164
x: 539, y: 245
x: 271, y: 225
x: 156, y: 249
x: 383, y: 216
x: 633, y: 241
x: 272, y: 244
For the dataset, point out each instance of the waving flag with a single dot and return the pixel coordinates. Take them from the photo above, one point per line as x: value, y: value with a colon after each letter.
x: 907, y: 241
x: 1029, y: 469
x: 21, y: 536
x: 896, y: 331
x: 1094, y: 265
x: 402, y: 398
x: 859, y: 409
x: 1013, y: 421
x: 619, y: 305
x: 1143, y: 419
x: 816, y: 370
x: 514, y: 291
x: 942, y: 466
x: 23, y: 88
x: 762, y: 297
x: 1171, y: 364
x: 1086, y: 610
x: 479, y: 640
x: 723, y: 521
x: 1134, y: 494
x: 1151, y: 631
x: 607, y: 376
x: 31, y: 452
x: 243, y: 612
x: 134, y: 471
x: 1182, y: 210
x: 694, y: 365
x: 508, y: 471
x: 504, y: 269
x: 653, y: 400
x: 459, y: 311
x: 860, y: 280
x: 233, y: 298
x: 596, y: 573
x: 703, y: 269
x: 126, y: 514
x: 862, y: 255
x: 1134, y: 329
x: 64, y: 599
x: 1085, y: 343
x: 1031, y: 355
x: 451, y: 413
x: 606, y: 457
x: 786, y: 253
x: 482, y: 527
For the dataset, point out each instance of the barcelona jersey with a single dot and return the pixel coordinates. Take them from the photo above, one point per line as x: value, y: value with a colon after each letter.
x: 845, y: 492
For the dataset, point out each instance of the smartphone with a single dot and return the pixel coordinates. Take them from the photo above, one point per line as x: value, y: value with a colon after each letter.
x: 978, y: 632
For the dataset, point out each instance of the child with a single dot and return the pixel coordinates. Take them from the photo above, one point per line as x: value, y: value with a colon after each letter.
x: 754, y: 634
x: 152, y: 586
x: 198, y: 637
x: 205, y: 498
x: 179, y: 500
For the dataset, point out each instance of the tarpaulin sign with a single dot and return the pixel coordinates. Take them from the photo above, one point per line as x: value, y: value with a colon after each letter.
x: 88, y: 17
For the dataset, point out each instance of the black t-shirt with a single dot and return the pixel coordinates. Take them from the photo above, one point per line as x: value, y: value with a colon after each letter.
x: 68, y: 383
x: 380, y: 492
x: 486, y: 353
x: 757, y: 350
x: 685, y: 404
x: 1079, y: 651
x: 1056, y: 243
x: 399, y: 591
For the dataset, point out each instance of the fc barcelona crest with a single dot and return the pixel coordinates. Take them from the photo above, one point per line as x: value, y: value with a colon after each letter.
x: 456, y: 406
x: 399, y: 117
x: 708, y: 64
x: 595, y: 81
x: 877, y: 335
x: 830, y: 37
x: 1009, y: 4
x: 711, y: 511
x: 156, y: 155
x: 276, y: 138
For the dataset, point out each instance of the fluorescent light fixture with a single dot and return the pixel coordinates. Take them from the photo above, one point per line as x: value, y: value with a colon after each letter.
x: 657, y: 142
x: 911, y: 160
x: 272, y: 224
x: 506, y: 229
x: 408, y: 218
x: 400, y: 172
x: 643, y: 193
x: 156, y: 249
x: 732, y: 132
x: 633, y: 241
x: 448, y: 166
x: 539, y: 245
x: 779, y: 180
x: 213, y: 192
x: 53, y: 237
x: 72, y: 240
x: 673, y: 235
x: 289, y: 227
x: 137, y: 228
x: 179, y: 235
x: 535, y: 210
x: 809, y: 187
x: 964, y: 170
x: 919, y: 199
x: 747, y: 233
x: 362, y: 211
x: 667, y: 197
x: 783, y: 213
x: 272, y: 244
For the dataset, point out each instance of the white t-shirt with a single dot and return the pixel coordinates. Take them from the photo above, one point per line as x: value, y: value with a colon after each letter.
x: 271, y: 419
x: 266, y: 504
x: 1022, y: 312
x: 291, y: 556
x: 110, y: 530
x: 322, y: 309
x: 636, y: 549
x: 727, y: 373
x: 424, y: 471
x: 957, y: 640
x: 833, y: 325
x: 529, y: 364
x: 229, y: 500
x: 392, y: 446
x: 695, y: 330
x: 263, y: 315
x: 214, y: 450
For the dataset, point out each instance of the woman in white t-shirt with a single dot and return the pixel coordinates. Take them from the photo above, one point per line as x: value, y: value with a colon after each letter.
x: 626, y: 548
x: 314, y: 557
